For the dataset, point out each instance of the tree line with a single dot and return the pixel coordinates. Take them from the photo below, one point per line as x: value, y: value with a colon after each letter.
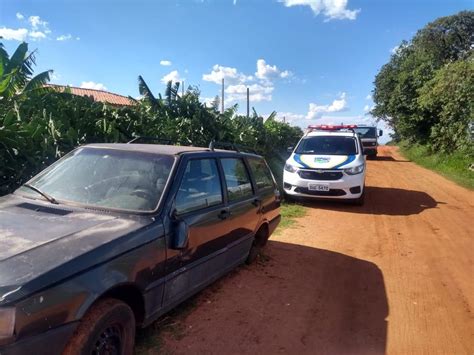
x: 426, y: 91
x: 39, y: 124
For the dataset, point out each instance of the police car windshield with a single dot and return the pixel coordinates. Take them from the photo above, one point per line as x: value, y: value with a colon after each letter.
x: 327, y: 145
x: 366, y: 132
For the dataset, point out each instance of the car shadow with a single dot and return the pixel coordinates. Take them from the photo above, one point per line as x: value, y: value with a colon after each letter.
x: 294, y: 300
x: 381, y: 201
x: 388, y: 158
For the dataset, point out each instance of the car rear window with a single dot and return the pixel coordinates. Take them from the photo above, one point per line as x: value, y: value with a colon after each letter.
x: 327, y: 145
x: 262, y: 174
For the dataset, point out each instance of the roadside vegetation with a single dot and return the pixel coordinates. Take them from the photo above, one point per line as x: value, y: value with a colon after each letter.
x: 425, y: 93
x: 290, y: 211
x: 453, y: 166
x: 39, y: 124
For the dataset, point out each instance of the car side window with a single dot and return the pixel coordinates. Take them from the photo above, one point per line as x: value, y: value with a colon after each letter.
x: 200, y: 186
x: 237, y: 179
x: 262, y: 175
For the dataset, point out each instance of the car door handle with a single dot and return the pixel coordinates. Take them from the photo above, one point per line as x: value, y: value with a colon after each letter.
x: 256, y: 202
x: 223, y: 214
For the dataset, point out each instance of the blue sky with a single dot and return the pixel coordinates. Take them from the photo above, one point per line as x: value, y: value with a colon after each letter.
x: 310, y: 60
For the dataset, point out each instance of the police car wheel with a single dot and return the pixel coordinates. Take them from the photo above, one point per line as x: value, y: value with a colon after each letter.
x: 360, y: 200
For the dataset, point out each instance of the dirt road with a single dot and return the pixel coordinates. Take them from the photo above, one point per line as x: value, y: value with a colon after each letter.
x: 395, y: 276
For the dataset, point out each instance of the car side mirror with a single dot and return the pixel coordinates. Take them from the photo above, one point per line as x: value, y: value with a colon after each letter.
x: 180, y: 235
x: 380, y: 133
x: 290, y: 149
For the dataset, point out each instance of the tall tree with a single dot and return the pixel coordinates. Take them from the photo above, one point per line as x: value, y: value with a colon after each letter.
x: 414, y: 64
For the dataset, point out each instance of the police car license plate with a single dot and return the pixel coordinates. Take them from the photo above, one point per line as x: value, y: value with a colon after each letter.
x: 318, y: 187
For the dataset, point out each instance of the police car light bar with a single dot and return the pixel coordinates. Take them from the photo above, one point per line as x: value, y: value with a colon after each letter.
x: 324, y: 127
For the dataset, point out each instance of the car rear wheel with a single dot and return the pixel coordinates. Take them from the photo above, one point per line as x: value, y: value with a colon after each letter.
x: 108, y: 328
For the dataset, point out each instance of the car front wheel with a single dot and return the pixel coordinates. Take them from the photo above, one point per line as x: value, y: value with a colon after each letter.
x: 107, y: 328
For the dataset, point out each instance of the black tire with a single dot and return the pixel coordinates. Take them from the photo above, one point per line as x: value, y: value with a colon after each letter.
x: 253, y: 254
x: 289, y: 198
x: 107, y: 327
x: 360, y: 200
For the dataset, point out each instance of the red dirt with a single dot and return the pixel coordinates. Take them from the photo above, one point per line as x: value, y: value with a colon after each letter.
x: 394, y: 276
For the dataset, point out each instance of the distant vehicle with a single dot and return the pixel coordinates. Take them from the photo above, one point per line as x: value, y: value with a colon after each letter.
x: 112, y: 236
x: 328, y: 163
x: 369, y: 135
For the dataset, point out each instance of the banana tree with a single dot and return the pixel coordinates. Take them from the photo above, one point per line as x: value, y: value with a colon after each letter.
x: 16, y: 73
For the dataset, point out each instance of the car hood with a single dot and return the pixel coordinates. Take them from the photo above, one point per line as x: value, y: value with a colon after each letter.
x: 36, y: 238
x: 315, y: 161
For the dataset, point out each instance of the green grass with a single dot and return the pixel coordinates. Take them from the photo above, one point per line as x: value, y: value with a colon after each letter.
x: 290, y: 211
x: 453, y: 166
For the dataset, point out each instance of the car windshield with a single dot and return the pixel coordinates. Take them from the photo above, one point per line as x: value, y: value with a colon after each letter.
x: 109, y: 178
x: 366, y: 132
x: 327, y: 145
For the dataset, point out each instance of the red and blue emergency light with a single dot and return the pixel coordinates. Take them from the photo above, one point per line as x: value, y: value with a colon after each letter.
x: 325, y: 127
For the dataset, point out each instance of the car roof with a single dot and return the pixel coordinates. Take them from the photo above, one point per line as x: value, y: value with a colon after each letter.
x: 162, y: 148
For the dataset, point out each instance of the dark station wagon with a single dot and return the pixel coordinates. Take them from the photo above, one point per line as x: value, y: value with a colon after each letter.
x: 112, y: 236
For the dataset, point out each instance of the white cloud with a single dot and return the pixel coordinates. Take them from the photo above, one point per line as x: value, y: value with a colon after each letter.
x: 268, y: 72
x: 289, y: 117
x: 317, y: 111
x: 64, y: 37
x: 368, y: 97
x: 38, y: 30
x: 93, y: 85
x: 36, y: 35
x: 331, y: 9
x: 165, y: 63
x: 257, y: 92
x: 36, y: 22
x: 19, y: 34
x: 231, y: 75
x: 173, y: 76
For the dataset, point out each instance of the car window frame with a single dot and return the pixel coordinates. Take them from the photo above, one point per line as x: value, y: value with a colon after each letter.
x: 249, y: 174
x: 254, y: 181
x: 180, y: 176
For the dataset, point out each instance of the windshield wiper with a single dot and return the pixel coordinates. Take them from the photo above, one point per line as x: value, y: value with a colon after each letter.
x: 44, y: 194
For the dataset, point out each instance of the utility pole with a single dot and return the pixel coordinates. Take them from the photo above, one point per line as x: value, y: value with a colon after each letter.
x: 222, y: 97
x: 248, y: 102
x: 182, y: 89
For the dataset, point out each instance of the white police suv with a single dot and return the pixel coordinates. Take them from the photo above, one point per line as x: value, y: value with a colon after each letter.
x: 328, y: 163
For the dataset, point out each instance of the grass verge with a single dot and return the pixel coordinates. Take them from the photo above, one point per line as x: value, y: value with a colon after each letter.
x: 453, y: 166
x: 290, y: 211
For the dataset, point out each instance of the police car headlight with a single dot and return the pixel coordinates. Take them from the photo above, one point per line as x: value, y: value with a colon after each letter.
x: 7, y: 324
x: 290, y: 168
x: 355, y: 170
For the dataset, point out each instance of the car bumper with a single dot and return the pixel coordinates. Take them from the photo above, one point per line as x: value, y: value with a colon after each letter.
x: 348, y: 187
x: 50, y: 342
x: 370, y: 150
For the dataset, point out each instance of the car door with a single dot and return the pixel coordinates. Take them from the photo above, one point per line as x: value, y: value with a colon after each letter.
x: 199, y: 205
x: 244, y: 207
x: 267, y: 190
